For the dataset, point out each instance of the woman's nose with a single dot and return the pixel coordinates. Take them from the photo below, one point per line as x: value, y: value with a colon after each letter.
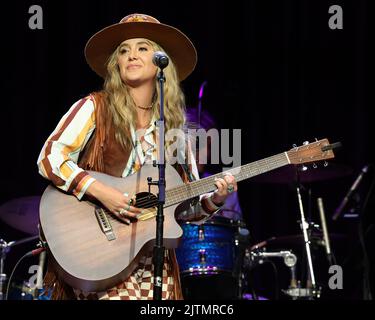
x: 133, y: 54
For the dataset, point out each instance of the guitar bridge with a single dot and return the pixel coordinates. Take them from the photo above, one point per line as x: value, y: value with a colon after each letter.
x: 104, y: 223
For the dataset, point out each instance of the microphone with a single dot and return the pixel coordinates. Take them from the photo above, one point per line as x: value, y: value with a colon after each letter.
x: 327, y: 246
x: 160, y: 59
x: 349, y: 194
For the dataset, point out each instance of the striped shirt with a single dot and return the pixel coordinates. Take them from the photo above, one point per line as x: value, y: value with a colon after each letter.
x: 59, y: 156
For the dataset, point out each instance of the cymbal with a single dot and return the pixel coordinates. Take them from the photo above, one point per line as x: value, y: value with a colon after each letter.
x: 22, y: 214
x: 288, y: 174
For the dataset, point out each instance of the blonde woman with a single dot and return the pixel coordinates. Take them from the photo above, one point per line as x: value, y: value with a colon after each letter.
x: 113, y: 131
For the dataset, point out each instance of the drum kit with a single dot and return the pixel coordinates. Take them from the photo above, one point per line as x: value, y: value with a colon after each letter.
x: 216, y: 258
x: 22, y: 214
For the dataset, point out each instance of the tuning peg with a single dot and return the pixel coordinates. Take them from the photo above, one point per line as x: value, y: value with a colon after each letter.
x: 325, y: 164
x: 294, y: 145
x: 314, y: 165
x: 305, y: 143
x: 304, y: 168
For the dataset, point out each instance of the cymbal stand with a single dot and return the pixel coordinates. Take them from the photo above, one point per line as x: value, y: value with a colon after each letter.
x: 257, y: 256
x: 4, y: 249
x: 290, y: 260
x: 311, y: 290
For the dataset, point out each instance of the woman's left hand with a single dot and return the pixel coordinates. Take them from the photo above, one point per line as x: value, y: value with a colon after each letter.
x: 225, y: 186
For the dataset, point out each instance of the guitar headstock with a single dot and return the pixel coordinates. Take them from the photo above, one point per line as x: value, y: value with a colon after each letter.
x: 312, y: 152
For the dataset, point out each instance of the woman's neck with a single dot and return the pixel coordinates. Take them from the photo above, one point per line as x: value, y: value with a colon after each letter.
x: 142, y: 97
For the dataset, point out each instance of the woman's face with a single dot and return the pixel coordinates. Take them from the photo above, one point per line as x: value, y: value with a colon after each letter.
x: 135, y: 62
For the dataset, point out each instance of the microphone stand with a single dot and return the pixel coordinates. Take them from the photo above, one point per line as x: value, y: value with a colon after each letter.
x: 158, y: 253
x: 349, y: 194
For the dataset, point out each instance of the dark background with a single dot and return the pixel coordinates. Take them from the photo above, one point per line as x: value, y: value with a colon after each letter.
x: 274, y: 69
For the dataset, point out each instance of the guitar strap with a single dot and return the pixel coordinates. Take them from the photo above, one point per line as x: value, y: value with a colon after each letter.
x: 184, y: 165
x: 187, y: 171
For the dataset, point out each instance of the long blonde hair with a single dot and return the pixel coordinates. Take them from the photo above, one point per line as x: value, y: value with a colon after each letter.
x: 121, y: 106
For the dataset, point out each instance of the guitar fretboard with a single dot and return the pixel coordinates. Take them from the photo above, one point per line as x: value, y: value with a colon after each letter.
x: 252, y: 169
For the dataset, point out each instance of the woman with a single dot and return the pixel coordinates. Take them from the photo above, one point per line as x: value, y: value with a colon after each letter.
x: 113, y: 131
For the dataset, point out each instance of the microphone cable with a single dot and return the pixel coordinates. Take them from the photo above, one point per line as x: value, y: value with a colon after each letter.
x: 11, y: 275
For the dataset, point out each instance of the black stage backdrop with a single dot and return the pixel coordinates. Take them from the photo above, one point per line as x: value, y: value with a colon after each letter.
x: 274, y: 69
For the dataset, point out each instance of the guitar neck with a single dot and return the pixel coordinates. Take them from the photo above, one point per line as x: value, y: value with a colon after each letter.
x: 252, y: 169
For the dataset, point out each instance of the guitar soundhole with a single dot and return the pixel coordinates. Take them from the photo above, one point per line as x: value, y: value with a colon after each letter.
x: 145, y: 200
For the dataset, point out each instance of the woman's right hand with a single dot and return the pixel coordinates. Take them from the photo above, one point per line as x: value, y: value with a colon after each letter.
x: 115, y: 201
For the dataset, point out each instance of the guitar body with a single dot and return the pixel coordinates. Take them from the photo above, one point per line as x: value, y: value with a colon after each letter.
x: 83, y: 256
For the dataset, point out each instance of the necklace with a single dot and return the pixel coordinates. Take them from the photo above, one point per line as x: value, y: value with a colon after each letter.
x: 146, y: 108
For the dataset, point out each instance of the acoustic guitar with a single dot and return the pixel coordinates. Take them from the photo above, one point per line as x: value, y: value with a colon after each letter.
x: 92, y: 250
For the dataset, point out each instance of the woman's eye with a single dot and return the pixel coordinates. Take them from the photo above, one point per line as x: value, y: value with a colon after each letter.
x: 143, y: 49
x: 123, y: 50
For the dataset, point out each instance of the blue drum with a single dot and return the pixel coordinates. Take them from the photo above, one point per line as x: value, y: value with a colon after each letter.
x: 208, y: 248
x: 206, y: 257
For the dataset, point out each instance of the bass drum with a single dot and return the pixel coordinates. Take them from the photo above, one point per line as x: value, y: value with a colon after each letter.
x: 207, y: 257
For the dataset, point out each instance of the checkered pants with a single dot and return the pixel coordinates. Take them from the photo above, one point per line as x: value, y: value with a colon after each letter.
x: 139, y: 286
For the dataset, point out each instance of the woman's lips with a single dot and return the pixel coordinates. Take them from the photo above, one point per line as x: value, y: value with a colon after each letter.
x: 133, y: 66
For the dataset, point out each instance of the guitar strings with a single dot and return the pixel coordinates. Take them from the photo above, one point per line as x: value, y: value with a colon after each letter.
x: 273, y: 161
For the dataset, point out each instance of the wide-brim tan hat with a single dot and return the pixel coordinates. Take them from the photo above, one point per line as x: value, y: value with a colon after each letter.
x: 176, y: 44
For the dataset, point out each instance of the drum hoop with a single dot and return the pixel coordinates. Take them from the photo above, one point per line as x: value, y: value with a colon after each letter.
x: 204, y: 271
x: 222, y: 222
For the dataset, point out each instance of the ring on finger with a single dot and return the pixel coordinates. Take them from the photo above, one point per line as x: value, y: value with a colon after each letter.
x: 122, y: 211
x: 230, y: 188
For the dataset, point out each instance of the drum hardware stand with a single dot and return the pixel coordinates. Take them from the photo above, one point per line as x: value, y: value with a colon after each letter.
x: 311, y: 289
x: 257, y: 257
x: 241, y: 242
x: 4, y: 249
x: 298, y: 293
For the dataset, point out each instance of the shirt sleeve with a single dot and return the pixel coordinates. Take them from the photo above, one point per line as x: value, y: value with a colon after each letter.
x: 58, y: 158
